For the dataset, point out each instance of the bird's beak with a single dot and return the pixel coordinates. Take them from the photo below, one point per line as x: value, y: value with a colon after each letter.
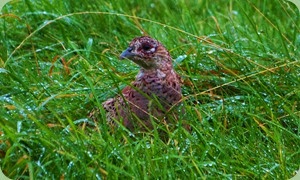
x: 127, y: 54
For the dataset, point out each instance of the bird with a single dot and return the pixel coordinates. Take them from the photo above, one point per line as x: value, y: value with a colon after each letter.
x: 153, y: 93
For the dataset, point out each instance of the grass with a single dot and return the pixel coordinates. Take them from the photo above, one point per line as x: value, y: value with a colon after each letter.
x: 240, y: 65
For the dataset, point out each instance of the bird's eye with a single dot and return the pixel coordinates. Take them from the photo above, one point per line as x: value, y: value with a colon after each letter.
x: 146, y: 47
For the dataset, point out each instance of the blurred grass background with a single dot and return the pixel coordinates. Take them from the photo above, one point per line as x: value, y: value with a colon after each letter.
x: 240, y: 65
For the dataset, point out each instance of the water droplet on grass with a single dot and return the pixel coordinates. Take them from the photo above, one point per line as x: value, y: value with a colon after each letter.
x: 148, y: 145
x: 235, y: 12
x: 19, y: 126
x: 180, y: 58
x: 71, y: 164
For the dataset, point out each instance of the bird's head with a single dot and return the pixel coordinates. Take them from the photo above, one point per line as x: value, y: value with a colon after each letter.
x: 147, y: 53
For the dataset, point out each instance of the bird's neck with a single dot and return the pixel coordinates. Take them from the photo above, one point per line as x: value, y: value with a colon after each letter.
x: 160, y: 73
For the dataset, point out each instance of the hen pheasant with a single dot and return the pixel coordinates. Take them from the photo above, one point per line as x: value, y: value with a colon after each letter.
x: 154, y: 91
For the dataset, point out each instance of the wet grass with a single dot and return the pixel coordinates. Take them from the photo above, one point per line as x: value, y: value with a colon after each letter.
x: 240, y: 65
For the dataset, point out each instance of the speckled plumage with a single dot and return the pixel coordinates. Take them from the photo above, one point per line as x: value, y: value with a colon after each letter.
x: 154, y: 91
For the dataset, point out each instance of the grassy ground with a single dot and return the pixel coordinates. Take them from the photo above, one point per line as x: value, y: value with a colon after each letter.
x: 240, y: 65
